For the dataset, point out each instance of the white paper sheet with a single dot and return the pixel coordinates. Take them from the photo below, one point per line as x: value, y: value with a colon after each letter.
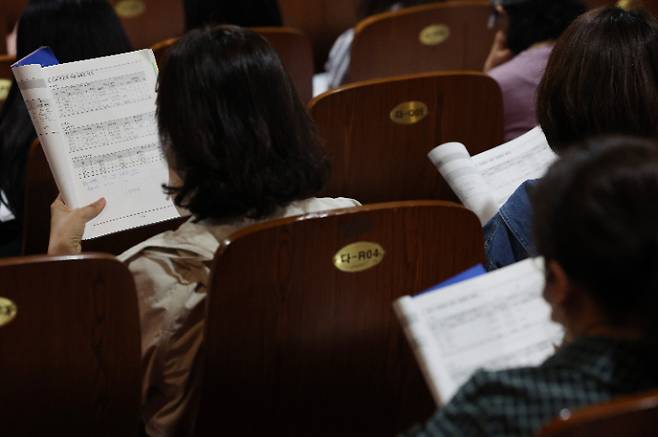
x: 5, y: 214
x: 495, y: 321
x: 485, y: 181
x: 96, y: 121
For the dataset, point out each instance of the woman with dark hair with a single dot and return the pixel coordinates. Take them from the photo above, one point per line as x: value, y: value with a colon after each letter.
x: 596, y: 229
x: 246, y: 13
x: 75, y: 30
x: 241, y: 148
x: 338, y: 63
x: 601, y: 79
x: 520, y: 52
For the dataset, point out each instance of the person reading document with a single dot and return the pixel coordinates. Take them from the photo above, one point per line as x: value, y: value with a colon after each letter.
x: 241, y: 148
x: 601, y: 79
x: 595, y: 226
x: 75, y: 30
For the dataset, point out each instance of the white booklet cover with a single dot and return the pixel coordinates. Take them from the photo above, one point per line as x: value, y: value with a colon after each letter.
x: 494, y: 321
x: 485, y: 181
x: 96, y: 122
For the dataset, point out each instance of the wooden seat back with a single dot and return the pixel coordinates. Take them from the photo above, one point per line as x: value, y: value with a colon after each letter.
x: 71, y: 355
x: 628, y: 416
x: 322, y: 20
x: 148, y: 21
x: 378, y: 132
x: 10, y: 12
x: 292, y: 46
x: 297, y: 347
x: 41, y: 191
x: 444, y: 36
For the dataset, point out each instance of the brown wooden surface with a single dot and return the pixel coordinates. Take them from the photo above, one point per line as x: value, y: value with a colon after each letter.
x: 388, y: 44
x: 159, y: 20
x: 322, y: 20
x: 630, y: 416
x: 296, y: 347
x: 376, y: 160
x: 6, y: 76
x: 10, y: 12
x: 292, y: 46
x: 41, y: 190
x: 70, y: 360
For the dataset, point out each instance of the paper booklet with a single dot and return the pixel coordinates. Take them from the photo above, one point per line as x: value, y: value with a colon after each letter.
x: 485, y: 181
x: 96, y: 122
x: 494, y: 321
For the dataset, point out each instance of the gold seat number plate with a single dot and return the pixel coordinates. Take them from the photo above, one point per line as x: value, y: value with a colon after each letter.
x: 359, y: 256
x: 434, y: 34
x: 8, y: 311
x: 130, y: 8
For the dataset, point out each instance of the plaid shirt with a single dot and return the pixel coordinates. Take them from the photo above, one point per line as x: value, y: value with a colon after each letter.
x: 518, y: 402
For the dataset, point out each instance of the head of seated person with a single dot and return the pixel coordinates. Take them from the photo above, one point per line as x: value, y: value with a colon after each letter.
x: 235, y: 133
x: 247, y: 13
x: 520, y: 52
x: 597, y: 230
x: 75, y: 30
x: 601, y: 79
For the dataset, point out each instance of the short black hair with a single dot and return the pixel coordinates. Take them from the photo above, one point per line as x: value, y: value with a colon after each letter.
x: 75, y: 30
x: 536, y: 21
x: 595, y: 213
x: 601, y: 79
x: 246, y: 13
x: 233, y: 127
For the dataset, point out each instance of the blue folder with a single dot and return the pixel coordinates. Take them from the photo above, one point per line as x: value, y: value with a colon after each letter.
x: 43, y: 56
x: 474, y: 271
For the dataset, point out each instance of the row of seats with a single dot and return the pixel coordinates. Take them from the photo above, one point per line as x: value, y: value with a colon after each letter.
x: 377, y: 144
x: 319, y: 354
x: 448, y: 36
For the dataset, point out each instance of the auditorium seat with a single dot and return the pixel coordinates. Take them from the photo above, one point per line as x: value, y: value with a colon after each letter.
x: 10, y: 12
x: 301, y: 337
x: 322, y: 20
x: 69, y: 347
x: 628, y: 416
x: 40, y: 191
x: 378, y: 132
x: 149, y: 21
x: 293, y: 47
x: 444, y: 36
x: 5, y: 76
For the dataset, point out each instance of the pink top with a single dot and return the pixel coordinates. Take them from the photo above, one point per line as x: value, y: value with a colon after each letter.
x: 518, y: 80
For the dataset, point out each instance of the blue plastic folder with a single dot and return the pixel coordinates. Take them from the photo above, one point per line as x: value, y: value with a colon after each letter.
x: 43, y: 56
x: 474, y: 271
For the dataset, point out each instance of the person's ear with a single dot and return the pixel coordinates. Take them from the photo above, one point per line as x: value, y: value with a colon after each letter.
x: 557, y: 288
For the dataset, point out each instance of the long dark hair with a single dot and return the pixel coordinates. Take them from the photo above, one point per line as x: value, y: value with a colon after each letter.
x: 75, y: 30
x: 601, y: 79
x: 536, y: 21
x: 247, y: 13
x: 233, y: 127
x: 595, y: 212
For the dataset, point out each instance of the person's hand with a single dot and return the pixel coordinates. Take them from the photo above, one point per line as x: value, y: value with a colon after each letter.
x: 67, y: 225
x: 499, y: 53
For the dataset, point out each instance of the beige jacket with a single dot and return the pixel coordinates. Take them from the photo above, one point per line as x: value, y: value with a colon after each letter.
x: 171, y: 272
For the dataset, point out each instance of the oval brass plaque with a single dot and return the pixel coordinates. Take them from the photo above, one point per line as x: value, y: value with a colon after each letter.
x: 130, y: 8
x: 5, y: 85
x: 434, y: 34
x: 8, y: 311
x: 359, y: 256
x: 409, y: 112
